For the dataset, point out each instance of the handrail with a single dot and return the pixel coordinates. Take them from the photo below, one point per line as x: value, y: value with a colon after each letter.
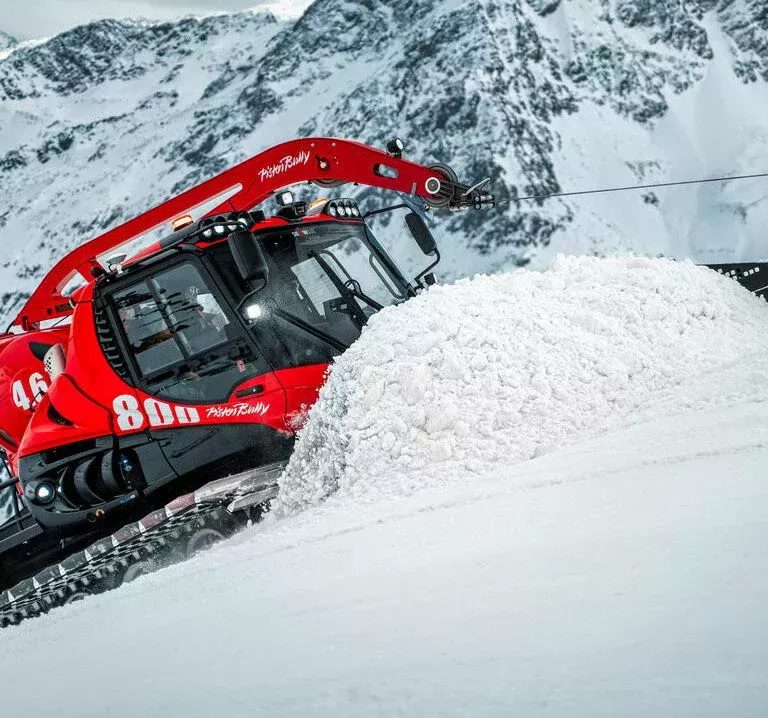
x: 9, y: 484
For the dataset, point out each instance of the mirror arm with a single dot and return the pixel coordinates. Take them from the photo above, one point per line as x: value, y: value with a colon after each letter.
x: 407, y: 204
x: 250, y: 295
x: 372, y: 212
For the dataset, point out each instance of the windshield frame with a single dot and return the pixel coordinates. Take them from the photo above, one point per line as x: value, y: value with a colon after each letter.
x: 289, y: 246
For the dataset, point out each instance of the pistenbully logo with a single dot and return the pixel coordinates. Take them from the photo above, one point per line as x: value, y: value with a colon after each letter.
x: 241, y: 409
x: 288, y: 162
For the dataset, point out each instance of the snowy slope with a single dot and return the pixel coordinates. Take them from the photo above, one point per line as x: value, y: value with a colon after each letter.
x: 621, y: 575
x: 106, y: 119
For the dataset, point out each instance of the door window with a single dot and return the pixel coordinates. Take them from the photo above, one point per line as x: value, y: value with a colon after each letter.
x: 184, y: 344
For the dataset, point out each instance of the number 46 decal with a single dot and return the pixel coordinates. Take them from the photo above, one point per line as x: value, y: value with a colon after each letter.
x: 130, y: 417
x: 37, y: 387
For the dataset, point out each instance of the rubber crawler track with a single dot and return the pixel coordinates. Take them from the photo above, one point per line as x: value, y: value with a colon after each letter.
x: 165, y: 536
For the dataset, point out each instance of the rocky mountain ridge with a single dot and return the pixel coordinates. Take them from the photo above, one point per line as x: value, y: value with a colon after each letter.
x: 102, y: 121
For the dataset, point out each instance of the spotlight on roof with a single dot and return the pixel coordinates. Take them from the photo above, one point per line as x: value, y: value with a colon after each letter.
x: 284, y: 199
x: 395, y: 147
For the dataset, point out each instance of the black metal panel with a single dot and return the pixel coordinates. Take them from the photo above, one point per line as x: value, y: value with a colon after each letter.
x: 18, y: 536
x: 85, y: 502
x: 205, y: 453
x: 751, y: 275
x: 17, y: 526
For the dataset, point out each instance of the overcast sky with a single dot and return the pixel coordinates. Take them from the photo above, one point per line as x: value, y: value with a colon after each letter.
x: 43, y: 18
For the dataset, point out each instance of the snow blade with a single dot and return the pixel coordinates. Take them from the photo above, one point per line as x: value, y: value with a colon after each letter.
x: 751, y: 275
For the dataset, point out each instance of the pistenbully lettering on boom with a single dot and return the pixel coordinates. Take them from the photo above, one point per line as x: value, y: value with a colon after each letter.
x: 288, y: 162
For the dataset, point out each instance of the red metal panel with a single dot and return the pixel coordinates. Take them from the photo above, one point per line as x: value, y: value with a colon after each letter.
x: 20, y: 375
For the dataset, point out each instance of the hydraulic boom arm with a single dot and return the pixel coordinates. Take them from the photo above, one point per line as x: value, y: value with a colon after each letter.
x: 326, y: 161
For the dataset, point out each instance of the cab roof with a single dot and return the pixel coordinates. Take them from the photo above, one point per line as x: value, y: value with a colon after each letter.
x: 315, y: 216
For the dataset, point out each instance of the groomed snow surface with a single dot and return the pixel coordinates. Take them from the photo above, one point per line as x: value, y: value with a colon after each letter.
x: 529, y: 494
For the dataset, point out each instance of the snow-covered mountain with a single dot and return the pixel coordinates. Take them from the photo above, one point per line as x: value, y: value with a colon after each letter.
x: 104, y: 120
x: 6, y: 41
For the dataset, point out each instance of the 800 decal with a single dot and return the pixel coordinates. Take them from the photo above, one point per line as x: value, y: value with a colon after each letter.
x: 130, y: 416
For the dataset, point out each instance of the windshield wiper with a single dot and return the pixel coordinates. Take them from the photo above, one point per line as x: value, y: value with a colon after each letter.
x: 352, y: 285
x: 314, y: 331
x: 347, y: 294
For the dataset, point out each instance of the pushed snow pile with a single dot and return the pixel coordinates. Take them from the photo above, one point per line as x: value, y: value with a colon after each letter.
x: 497, y: 369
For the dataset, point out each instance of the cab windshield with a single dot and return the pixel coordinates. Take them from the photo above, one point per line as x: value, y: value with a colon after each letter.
x: 329, y: 278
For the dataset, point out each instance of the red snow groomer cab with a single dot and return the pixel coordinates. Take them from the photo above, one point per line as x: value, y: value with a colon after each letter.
x: 198, y: 357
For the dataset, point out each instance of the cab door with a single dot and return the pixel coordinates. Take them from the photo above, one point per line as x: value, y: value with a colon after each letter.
x: 208, y: 394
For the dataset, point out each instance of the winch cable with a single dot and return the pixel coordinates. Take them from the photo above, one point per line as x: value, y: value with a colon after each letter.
x: 626, y: 188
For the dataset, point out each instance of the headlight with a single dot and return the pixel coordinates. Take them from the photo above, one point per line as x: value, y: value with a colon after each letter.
x: 253, y: 311
x: 42, y: 493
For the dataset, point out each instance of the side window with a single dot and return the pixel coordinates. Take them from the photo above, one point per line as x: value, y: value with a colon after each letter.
x: 185, y: 346
x: 149, y: 338
x: 316, y: 284
x: 193, y: 313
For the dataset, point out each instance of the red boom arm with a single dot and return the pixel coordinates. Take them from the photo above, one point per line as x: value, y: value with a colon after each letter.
x: 323, y: 159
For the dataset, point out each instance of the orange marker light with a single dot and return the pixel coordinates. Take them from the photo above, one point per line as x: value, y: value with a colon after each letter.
x: 321, y: 202
x: 180, y: 222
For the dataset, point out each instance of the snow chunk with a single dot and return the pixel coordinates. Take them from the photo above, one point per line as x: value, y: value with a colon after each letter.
x: 503, y: 368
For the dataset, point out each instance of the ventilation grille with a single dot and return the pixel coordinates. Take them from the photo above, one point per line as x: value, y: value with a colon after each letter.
x: 109, y: 345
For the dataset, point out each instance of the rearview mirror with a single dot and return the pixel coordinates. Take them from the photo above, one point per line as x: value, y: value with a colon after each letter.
x: 418, y: 228
x: 248, y: 255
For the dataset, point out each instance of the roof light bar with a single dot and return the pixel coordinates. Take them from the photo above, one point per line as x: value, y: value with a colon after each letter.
x: 343, y: 209
x: 219, y: 225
